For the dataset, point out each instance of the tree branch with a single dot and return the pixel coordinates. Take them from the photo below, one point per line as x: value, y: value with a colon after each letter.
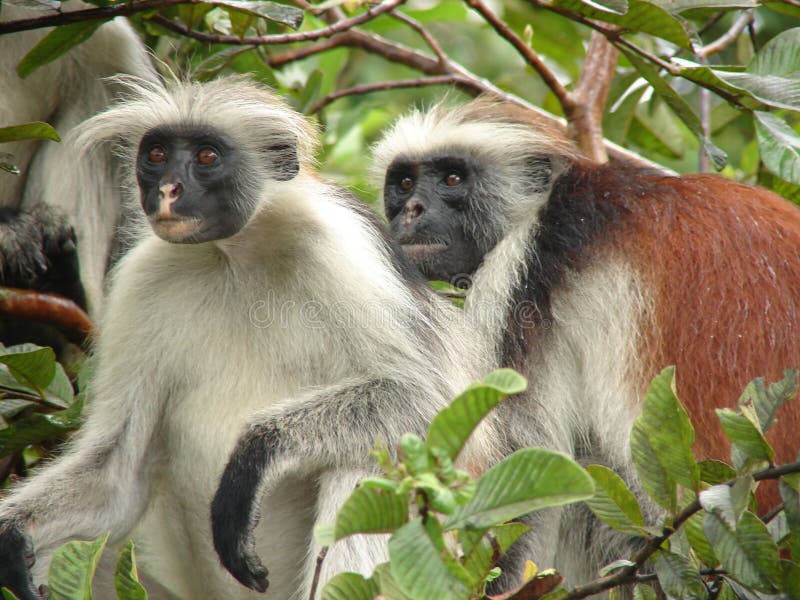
x: 629, y: 574
x: 585, y: 120
x: 725, y: 40
x: 425, y: 34
x: 459, y: 80
x: 526, y: 52
x: 55, y: 310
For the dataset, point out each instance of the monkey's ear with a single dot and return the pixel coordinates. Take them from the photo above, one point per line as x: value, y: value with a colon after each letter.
x: 540, y: 172
x: 284, y: 161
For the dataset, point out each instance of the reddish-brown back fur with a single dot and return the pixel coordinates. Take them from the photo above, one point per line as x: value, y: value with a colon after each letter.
x: 723, y: 261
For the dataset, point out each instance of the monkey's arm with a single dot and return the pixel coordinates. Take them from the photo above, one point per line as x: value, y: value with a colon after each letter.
x: 333, y: 429
x: 99, y: 484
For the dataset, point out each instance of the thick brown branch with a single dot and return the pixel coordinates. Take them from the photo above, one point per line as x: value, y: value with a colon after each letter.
x: 585, y: 119
x: 462, y: 82
x: 55, y: 310
x: 526, y: 52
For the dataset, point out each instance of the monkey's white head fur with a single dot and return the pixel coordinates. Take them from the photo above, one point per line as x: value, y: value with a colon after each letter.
x: 495, y: 133
x: 243, y: 109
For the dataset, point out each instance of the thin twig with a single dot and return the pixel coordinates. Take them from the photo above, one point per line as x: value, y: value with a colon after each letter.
x: 367, y: 88
x: 317, y: 571
x: 283, y: 38
x: 726, y: 39
x: 531, y: 57
x: 424, y: 33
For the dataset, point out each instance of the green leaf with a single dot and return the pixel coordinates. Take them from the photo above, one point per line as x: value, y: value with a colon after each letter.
x: 30, y: 365
x: 677, y: 103
x: 389, y: 587
x: 40, y: 427
x: 644, y: 592
x: 748, y: 553
x: 641, y: 17
x: 696, y: 536
x: 479, y: 553
x: 59, y: 392
x: 779, y: 57
x: 791, y: 578
x: 350, y: 586
x: 751, y: 90
x: 56, y: 43
x: 613, y: 502
x: 791, y: 508
x: 370, y: 510
x: 450, y: 429
x: 72, y: 569
x: 779, y: 146
x: 35, y: 130
x: 655, y: 480
x: 418, y: 567
x: 715, y: 471
x: 745, y: 437
x: 528, y: 480
x: 678, y: 6
x: 678, y: 578
x: 8, y: 595
x: 126, y: 576
x: 279, y: 13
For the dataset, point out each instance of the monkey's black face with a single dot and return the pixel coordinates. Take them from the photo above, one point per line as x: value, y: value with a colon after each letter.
x: 187, y: 179
x: 428, y: 206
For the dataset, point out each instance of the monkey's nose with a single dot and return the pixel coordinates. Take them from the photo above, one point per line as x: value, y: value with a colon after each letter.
x: 413, y: 211
x: 170, y: 191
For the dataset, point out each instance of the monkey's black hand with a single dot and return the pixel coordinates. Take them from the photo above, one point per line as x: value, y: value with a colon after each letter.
x: 16, y: 560
x: 38, y: 251
x: 232, y: 520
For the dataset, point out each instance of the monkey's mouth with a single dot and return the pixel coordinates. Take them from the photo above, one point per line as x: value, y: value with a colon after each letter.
x: 176, y: 229
x: 421, y: 251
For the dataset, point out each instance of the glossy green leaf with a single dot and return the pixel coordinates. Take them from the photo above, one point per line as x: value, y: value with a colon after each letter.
x: 350, y: 586
x: 450, y: 429
x: 8, y: 595
x: 780, y: 56
x: 641, y: 16
x: 666, y: 426
x: 748, y: 553
x: 56, y: 43
x: 779, y: 146
x: 40, y: 427
x: 528, y: 480
x: 745, y: 437
x: 418, y: 567
x: 388, y: 586
x: 644, y: 592
x: 715, y: 471
x: 72, y: 569
x: 126, y: 576
x: 678, y: 578
x: 678, y: 6
x: 698, y: 540
x: 654, y: 478
x: 613, y: 502
x: 370, y: 510
x: 35, y: 130
x: 30, y: 365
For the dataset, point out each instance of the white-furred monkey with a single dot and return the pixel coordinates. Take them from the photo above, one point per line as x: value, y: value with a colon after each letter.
x: 58, y: 200
x: 589, y: 280
x: 265, y: 302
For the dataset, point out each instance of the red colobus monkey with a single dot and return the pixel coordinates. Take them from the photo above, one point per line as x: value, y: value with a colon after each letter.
x: 58, y: 201
x: 259, y: 307
x: 590, y: 279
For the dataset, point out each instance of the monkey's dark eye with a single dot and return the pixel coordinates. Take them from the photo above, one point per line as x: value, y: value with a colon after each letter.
x: 453, y: 179
x: 156, y: 154
x: 406, y: 183
x: 207, y: 156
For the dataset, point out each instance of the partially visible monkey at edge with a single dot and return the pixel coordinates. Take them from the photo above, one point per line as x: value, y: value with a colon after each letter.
x: 59, y: 217
x: 267, y: 315
x: 589, y: 280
